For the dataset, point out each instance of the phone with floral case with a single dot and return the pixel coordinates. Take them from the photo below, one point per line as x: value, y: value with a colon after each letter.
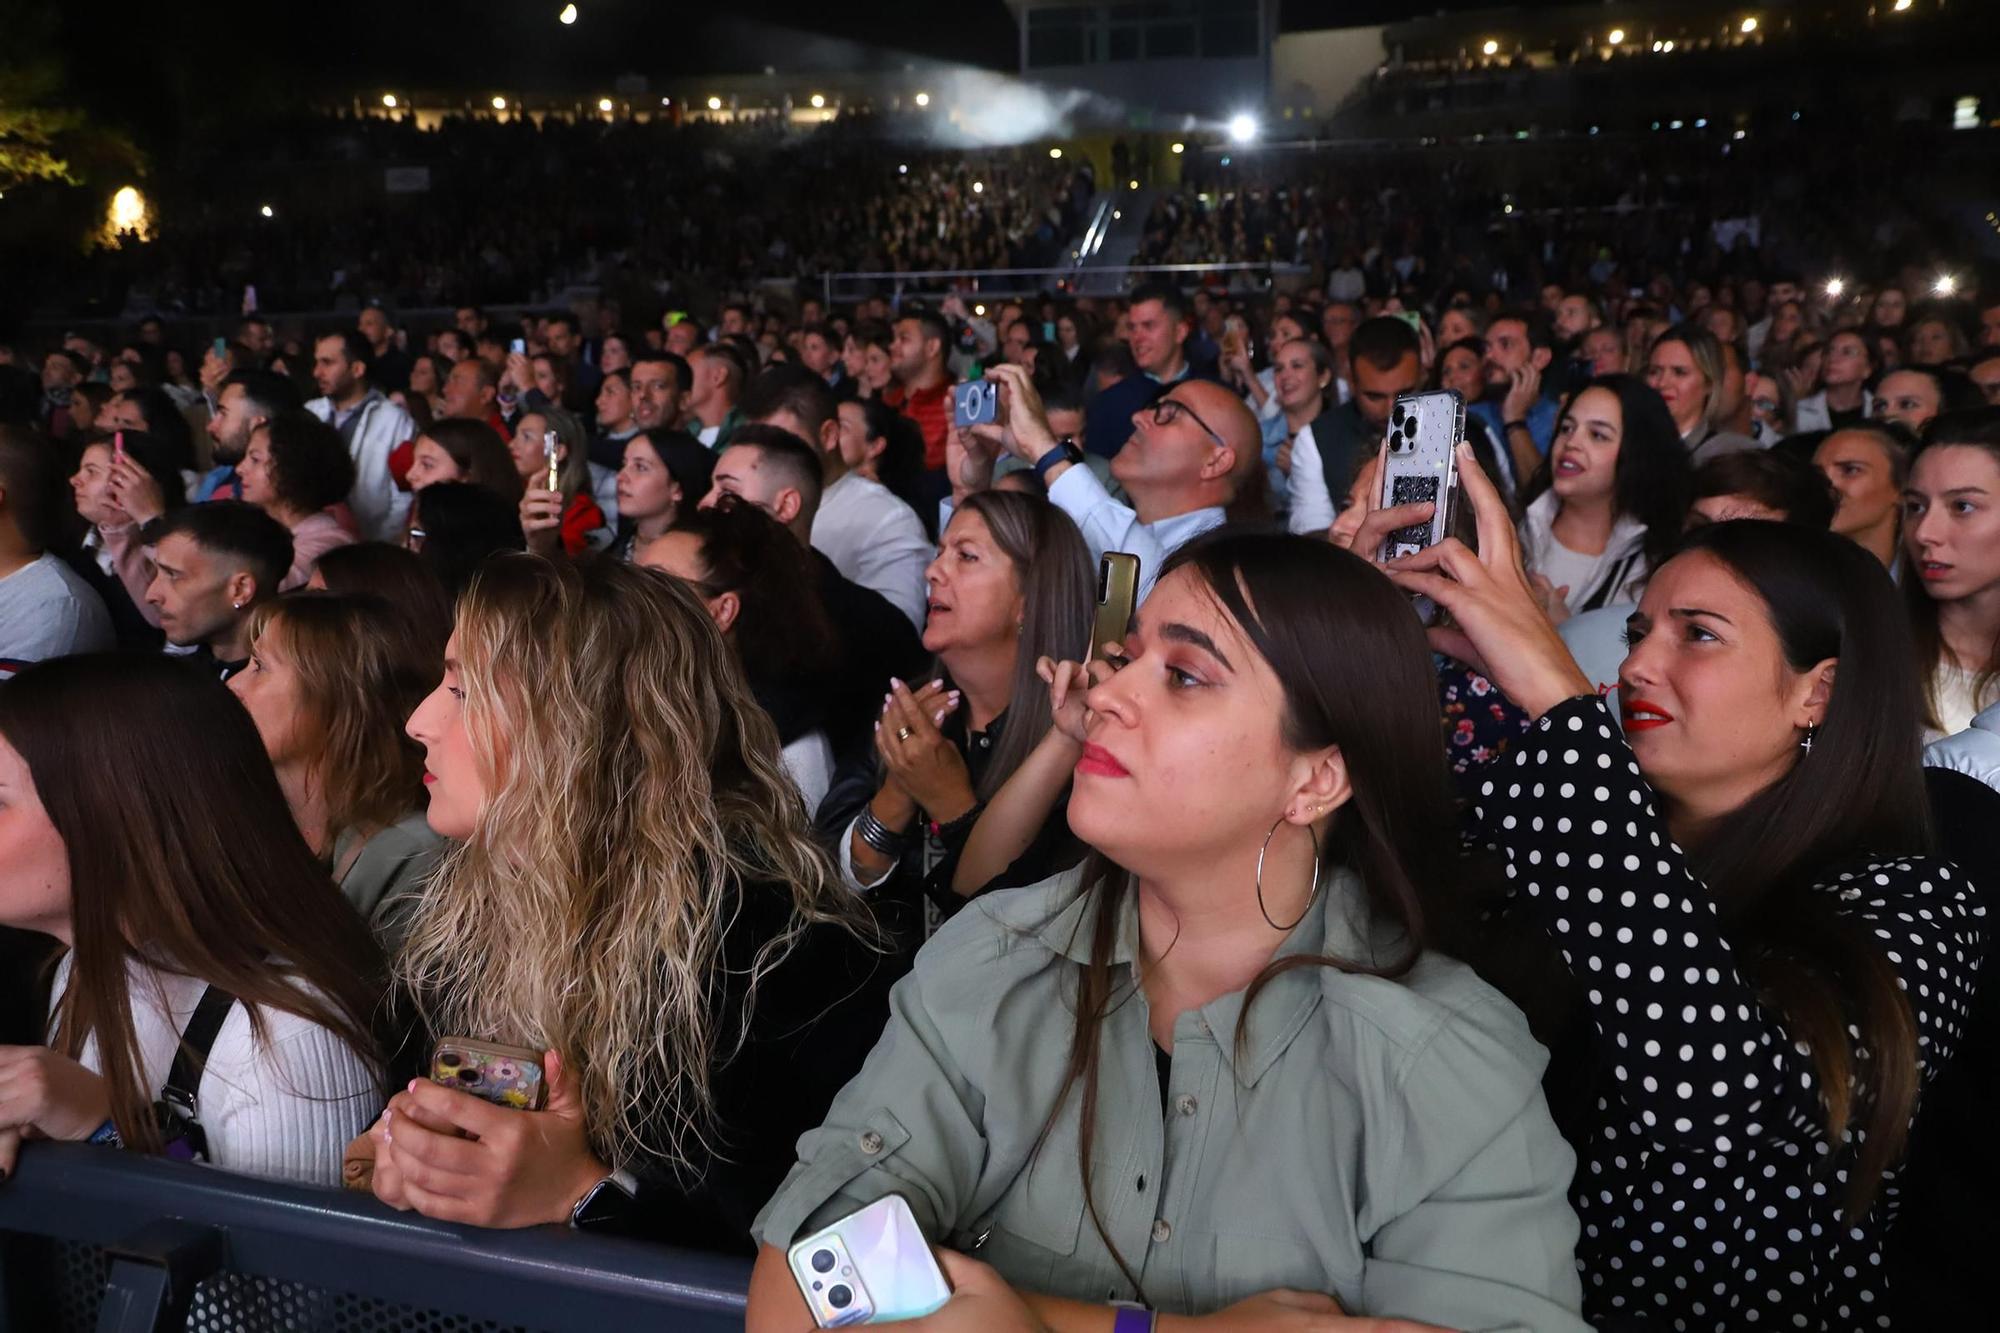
x: 504, y: 1075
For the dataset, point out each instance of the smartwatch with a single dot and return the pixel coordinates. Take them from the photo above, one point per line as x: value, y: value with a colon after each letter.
x: 607, y: 1204
x: 1065, y: 451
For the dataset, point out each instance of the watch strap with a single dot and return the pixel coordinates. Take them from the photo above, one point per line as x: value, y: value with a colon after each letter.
x: 1064, y: 451
x: 1131, y: 1319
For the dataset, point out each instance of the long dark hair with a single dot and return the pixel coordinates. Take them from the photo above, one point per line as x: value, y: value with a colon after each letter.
x: 782, y: 634
x: 1356, y: 672
x: 1859, y: 792
x: 1653, y: 480
x: 200, y: 863
x: 1977, y: 429
x: 900, y: 465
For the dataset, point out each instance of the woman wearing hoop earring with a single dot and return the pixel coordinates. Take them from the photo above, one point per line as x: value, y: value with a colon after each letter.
x: 1219, y: 1070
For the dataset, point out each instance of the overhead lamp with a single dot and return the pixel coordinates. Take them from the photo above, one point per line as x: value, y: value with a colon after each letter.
x: 903, y: 169
x: 818, y: 100
x: 715, y: 104
x: 389, y: 100
x: 1749, y: 26
x: 265, y: 211
x: 1242, y: 127
x: 979, y: 187
x: 1901, y: 5
x: 568, y: 15
x: 1615, y: 36
x: 499, y: 104
x: 1055, y: 152
x: 1131, y: 185
x: 1492, y: 48
x: 603, y: 104
x: 1179, y: 148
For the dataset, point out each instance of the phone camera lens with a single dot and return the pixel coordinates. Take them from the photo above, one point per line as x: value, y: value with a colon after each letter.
x: 468, y: 1075
x: 840, y: 1298
x: 1410, y: 428
x: 822, y: 1261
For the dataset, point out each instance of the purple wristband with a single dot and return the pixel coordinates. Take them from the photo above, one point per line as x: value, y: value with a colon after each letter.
x: 1131, y: 1320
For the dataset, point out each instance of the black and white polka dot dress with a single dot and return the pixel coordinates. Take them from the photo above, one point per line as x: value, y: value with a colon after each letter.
x: 1705, y: 1190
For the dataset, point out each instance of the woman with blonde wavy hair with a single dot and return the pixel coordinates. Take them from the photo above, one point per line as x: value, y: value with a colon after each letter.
x: 331, y: 679
x: 637, y: 895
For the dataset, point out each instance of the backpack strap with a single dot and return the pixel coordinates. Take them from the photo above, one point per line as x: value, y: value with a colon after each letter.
x: 184, y: 1079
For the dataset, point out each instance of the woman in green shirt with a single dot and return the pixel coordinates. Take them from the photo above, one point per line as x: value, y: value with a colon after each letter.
x: 1219, y: 1065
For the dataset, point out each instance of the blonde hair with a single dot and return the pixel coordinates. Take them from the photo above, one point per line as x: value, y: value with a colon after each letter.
x: 634, y: 795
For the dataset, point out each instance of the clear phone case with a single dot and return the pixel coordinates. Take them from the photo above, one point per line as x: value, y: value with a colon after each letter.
x: 1421, y: 465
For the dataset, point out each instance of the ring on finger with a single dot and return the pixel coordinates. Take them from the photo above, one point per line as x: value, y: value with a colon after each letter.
x: 904, y: 733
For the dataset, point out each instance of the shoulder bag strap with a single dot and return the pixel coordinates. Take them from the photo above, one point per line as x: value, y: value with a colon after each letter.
x: 184, y: 1078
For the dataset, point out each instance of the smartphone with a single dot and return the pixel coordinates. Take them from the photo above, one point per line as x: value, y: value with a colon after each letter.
x: 975, y: 403
x: 519, y: 347
x: 221, y: 349
x: 870, y: 1267
x: 503, y: 1075
x: 118, y: 444
x: 1420, y: 464
x: 549, y: 443
x: 1117, y: 599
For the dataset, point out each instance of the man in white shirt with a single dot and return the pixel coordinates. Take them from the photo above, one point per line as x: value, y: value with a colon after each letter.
x: 370, y: 426
x: 872, y: 537
x: 1192, y: 452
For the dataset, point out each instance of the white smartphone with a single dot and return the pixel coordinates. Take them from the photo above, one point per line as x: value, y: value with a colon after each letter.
x: 1420, y: 465
x: 870, y: 1267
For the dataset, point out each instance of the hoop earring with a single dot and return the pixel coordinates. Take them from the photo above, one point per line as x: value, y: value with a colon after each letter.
x: 1807, y: 744
x: 1311, y: 894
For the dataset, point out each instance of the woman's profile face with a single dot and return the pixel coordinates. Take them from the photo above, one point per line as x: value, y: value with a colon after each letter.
x: 975, y: 592
x: 452, y: 777
x: 526, y: 446
x: 1711, y: 707
x: 269, y: 690
x: 34, y: 863
x: 1860, y: 471
x: 1185, y: 754
x: 430, y: 464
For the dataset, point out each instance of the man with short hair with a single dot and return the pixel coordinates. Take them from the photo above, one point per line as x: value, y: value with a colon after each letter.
x: 683, y: 335
x: 778, y: 472
x: 470, y: 320
x: 1985, y: 374
x: 716, y: 384
x: 214, y: 564
x: 46, y: 608
x: 873, y: 537
x: 62, y: 371
x: 1190, y: 455
x: 615, y: 425
x: 1387, y: 361
x: 1602, y: 351
x: 920, y: 382
x: 660, y: 383
x: 370, y: 425
x: 246, y: 400
x: 819, y: 351
x: 1989, y: 324
x: 1785, y: 288
x: 255, y: 332
x: 1515, y: 411
x: 565, y: 344
x: 388, y: 364
x: 472, y: 389
x: 1577, y: 314
x: 735, y: 320
x: 1158, y: 336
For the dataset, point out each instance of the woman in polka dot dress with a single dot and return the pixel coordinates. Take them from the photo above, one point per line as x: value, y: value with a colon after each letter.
x: 1767, y: 1003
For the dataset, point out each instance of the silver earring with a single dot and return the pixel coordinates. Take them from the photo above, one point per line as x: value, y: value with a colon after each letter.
x: 1311, y: 893
x: 236, y: 606
x: 1807, y: 744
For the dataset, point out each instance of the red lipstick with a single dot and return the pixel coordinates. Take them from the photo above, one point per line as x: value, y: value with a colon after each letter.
x: 1099, y: 762
x: 1641, y: 715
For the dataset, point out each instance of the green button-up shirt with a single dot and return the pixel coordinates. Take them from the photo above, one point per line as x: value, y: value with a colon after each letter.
x: 1383, y: 1141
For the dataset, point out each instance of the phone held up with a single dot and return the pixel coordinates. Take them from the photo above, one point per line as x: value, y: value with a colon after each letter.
x: 503, y: 1075
x: 870, y: 1267
x: 975, y: 403
x: 1420, y: 466
x: 549, y: 444
x: 1117, y: 600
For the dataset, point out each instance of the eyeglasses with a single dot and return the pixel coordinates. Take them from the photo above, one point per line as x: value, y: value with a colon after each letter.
x: 1168, y: 410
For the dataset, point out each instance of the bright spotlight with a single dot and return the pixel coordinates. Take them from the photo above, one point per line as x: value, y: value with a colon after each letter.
x: 1055, y: 152
x: 499, y: 104
x: 818, y: 100
x: 1131, y: 185
x: 715, y: 104
x: 1945, y: 285
x: 265, y: 211
x: 1902, y: 5
x: 603, y: 104
x: 1835, y: 286
x: 1667, y: 47
x: 567, y: 16
x: 979, y: 187
x: 1615, y: 36
x: 389, y: 100
x: 1179, y: 148
x: 1492, y: 48
x: 923, y: 99
x: 1749, y: 26
x: 1242, y: 127
x: 903, y: 169
x: 979, y: 310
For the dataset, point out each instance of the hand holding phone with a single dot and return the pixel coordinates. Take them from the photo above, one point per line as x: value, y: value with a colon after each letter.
x: 870, y: 1267
x: 1420, y: 466
x: 1117, y: 600
x: 975, y: 403
x: 550, y: 443
x: 503, y: 1075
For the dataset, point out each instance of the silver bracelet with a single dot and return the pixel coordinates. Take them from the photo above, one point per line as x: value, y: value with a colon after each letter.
x: 878, y: 835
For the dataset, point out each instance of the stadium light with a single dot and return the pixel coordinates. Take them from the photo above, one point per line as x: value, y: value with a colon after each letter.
x: 715, y: 104
x: 389, y: 100
x: 1492, y: 48
x: 499, y: 104
x: 1179, y: 148
x: 603, y: 104
x: 568, y: 15
x: 923, y: 99
x: 1667, y: 47
x: 1749, y: 25
x: 1055, y: 152
x: 979, y: 187
x: 1242, y: 127
x: 1131, y: 185
x: 818, y: 100
x: 1946, y: 285
x: 266, y: 211
x: 1615, y: 36
x: 1902, y: 5
x: 903, y: 169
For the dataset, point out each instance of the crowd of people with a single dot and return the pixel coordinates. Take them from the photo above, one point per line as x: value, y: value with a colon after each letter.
x: 701, y: 708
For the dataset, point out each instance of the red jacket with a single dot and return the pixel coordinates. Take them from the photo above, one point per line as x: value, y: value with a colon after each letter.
x: 931, y: 410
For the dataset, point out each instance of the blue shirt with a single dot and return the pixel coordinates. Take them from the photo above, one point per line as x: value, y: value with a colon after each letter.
x: 219, y: 483
x: 1108, y: 423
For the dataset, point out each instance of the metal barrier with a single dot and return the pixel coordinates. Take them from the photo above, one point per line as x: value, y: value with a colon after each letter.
x: 934, y: 284
x: 95, y: 1238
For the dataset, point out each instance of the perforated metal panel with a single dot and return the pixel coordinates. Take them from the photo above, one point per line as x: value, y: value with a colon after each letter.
x: 235, y: 1303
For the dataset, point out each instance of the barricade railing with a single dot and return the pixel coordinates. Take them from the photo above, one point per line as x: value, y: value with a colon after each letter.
x: 93, y: 1238
x: 934, y: 284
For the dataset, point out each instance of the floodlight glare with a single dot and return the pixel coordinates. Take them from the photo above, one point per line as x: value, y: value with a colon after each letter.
x: 1242, y: 127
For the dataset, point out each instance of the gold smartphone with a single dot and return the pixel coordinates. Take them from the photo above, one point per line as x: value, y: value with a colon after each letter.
x: 1117, y: 599
x: 549, y: 442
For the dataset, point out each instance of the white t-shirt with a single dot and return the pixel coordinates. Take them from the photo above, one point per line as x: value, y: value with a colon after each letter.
x: 875, y: 540
x: 284, y: 1108
x: 1956, y: 701
x: 46, y: 610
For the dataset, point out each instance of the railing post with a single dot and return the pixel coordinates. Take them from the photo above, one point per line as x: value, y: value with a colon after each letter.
x: 154, y: 1274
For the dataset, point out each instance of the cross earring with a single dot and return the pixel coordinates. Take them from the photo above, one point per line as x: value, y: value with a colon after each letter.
x: 1807, y: 744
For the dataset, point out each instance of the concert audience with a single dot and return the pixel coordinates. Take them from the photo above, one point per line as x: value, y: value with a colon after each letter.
x: 47, y: 609
x: 565, y: 515
x: 1951, y: 543
x: 295, y: 470
x: 213, y: 565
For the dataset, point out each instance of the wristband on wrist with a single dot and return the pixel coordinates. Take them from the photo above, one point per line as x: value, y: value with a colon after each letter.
x: 1063, y: 451
x: 1131, y: 1319
x: 107, y: 1134
x: 879, y: 836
